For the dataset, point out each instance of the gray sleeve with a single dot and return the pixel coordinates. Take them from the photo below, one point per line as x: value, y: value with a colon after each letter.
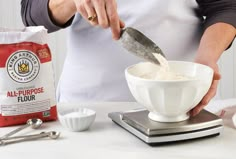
x: 216, y: 11
x: 36, y: 12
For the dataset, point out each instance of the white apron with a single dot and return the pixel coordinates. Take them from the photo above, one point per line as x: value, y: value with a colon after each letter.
x: 95, y: 64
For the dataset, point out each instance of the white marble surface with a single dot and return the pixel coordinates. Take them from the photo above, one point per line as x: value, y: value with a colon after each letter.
x: 107, y: 140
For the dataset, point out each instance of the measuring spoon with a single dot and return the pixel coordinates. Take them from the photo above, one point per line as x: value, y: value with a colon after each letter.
x: 34, y: 123
x: 137, y: 43
x: 16, y: 139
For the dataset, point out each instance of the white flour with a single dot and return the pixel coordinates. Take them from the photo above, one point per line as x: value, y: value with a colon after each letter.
x: 164, y: 72
x: 75, y: 114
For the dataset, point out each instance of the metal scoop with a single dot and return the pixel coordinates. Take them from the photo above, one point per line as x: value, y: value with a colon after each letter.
x: 137, y: 43
x: 34, y: 123
x: 16, y: 139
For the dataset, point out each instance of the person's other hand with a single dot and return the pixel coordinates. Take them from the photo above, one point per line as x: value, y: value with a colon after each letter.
x: 102, y: 13
x: 212, y: 91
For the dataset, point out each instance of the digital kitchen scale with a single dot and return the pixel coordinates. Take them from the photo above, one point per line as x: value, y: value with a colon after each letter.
x: 205, y: 124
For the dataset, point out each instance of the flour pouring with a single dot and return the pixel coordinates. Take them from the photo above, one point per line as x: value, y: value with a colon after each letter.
x: 140, y: 45
x: 163, y: 71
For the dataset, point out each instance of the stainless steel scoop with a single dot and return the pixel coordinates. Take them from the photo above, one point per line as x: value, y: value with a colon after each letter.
x: 137, y: 43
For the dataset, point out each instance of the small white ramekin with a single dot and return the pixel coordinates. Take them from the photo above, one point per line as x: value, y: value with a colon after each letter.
x: 77, y: 119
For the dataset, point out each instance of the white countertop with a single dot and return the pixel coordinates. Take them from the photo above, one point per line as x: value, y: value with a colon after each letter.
x: 105, y: 139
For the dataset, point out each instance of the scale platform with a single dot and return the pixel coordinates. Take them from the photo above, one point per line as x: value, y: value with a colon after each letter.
x: 205, y: 124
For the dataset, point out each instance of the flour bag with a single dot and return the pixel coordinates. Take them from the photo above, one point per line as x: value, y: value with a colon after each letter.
x: 27, y: 87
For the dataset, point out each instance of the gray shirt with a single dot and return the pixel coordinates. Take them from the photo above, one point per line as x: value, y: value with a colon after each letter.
x: 35, y: 12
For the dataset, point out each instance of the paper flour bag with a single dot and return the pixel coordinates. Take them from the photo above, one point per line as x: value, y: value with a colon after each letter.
x: 26, y: 76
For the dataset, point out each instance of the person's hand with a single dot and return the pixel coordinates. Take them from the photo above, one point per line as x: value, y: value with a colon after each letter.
x: 212, y: 91
x: 102, y: 13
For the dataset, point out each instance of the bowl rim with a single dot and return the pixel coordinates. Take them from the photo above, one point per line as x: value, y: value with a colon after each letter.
x: 62, y: 113
x: 166, y: 81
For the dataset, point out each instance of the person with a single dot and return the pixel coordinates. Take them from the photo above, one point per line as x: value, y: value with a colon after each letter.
x: 194, y: 30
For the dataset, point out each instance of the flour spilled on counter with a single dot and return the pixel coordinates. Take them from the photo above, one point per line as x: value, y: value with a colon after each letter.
x: 164, y: 72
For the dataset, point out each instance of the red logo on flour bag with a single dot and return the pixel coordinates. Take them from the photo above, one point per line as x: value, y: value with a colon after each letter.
x: 26, y: 77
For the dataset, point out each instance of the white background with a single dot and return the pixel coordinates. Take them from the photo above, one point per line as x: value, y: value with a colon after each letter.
x: 10, y: 18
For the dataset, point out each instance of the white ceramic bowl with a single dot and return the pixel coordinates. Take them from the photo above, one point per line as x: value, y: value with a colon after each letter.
x: 76, y: 119
x: 169, y: 101
x: 234, y: 119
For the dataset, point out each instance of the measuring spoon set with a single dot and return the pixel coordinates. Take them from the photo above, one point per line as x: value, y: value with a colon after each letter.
x: 33, y: 123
